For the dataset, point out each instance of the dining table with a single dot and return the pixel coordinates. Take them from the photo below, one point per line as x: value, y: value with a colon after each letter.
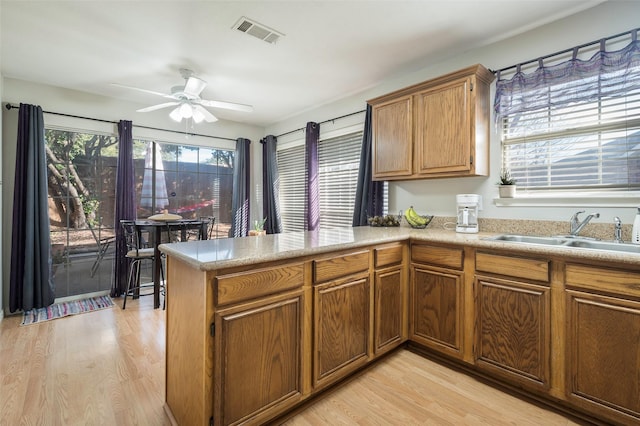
x: 155, y: 228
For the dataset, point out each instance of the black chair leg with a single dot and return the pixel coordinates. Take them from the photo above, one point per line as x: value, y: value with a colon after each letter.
x: 128, y: 289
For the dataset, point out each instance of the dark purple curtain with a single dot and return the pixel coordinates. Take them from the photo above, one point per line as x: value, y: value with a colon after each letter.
x: 125, y: 204
x: 270, y: 186
x: 311, y: 192
x: 369, y: 193
x: 241, y: 189
x: 31, y: 282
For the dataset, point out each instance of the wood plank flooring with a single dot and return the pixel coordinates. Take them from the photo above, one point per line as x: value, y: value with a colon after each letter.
x: 99, y: 368
x: 407, y: 389
x: 107, y: 368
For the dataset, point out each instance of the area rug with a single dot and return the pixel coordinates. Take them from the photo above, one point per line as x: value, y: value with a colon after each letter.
x: 64, y: 309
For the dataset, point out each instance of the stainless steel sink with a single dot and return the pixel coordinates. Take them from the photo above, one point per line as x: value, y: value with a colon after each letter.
x: 530, y: 239
x: 604, y: 245
x: 576, y: 242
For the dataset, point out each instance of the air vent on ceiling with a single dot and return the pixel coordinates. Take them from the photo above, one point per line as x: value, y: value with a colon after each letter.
x: 257, y: 30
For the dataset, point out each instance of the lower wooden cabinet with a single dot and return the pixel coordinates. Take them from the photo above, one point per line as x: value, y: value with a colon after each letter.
x: 389, y: 315
x: 258, y: 356
x: 603, y: 341
x: 603, y: 366
x: 247, y: 344
x: 513, y: 330
x: 341, y: 328
x: 436, y: 309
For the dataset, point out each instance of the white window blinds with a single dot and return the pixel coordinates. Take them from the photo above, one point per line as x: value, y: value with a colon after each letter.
x: 575, y: 125
x: 580, y: 146
x: 338, y: 164
x: 292, y: 178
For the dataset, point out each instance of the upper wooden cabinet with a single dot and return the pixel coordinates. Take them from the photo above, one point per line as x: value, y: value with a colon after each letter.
x: 393, y: 138
x: 438, y: 128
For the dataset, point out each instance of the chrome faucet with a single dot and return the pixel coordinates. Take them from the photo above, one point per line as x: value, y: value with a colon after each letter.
x: 617, y: 231
x: 576, y: 226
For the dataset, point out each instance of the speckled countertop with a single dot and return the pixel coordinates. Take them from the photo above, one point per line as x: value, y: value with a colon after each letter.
x: 232, y: 252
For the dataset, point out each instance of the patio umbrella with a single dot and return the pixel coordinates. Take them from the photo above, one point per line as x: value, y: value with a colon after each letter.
x: 146, y: 198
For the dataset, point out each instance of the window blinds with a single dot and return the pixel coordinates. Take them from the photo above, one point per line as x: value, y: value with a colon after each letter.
x: 292, y: 178
x: 339, y: 161
x: 574, y: 125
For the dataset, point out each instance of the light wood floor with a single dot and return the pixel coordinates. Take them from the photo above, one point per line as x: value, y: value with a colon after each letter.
x: 99, y: 368
x: 107, y: 368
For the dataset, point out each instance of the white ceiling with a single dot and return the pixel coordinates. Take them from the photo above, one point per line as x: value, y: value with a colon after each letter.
x: 331, y: 49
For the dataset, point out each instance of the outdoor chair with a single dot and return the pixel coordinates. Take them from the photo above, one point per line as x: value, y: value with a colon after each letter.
x: 103, y: 244
x: 208, y: 227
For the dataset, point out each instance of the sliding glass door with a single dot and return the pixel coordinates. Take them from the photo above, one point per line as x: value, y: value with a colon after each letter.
x: 187, y: 180
x: 81, y: 184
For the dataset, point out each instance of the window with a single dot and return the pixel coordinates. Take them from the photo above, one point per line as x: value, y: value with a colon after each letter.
x: 293, y: 175
x: 197, y: 181
x: 187, y: 180
x: 338, y: 164
x: 81, y: 185
x: 575, y: 125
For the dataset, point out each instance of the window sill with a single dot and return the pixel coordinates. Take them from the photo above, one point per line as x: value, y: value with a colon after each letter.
x: 571, y: 199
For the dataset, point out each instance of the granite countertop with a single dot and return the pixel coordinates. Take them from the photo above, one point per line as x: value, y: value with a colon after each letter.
x: 231, y: 252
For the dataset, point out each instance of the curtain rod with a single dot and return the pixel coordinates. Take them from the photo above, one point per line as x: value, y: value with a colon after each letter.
x: 560, y: 52
x: 322, y: 122
x: 9, y: 107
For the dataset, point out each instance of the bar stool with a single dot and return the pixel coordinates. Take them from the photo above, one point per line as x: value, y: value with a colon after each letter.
x: 137, y: 252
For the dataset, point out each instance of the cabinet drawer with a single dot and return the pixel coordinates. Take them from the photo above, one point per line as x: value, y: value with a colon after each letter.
x: 609, y: 280
x: 340, y: 266
x: 385, y: 256
x: 250, y: 285
x: 533, y: 269
x: 442, y: 256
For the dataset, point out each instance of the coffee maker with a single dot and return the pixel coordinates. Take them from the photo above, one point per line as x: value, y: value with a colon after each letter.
x: 468, y: 206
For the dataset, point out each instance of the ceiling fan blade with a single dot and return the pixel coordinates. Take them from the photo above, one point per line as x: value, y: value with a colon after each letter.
x: 210, y: 118
x: 142, y: 90
x: 159, y: 106
x: 227, y: 105
x: 194, y: 86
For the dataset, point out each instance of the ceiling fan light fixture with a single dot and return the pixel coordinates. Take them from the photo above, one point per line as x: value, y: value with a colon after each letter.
x: 176, y: 115
x: 186, y: 110
x: 187, y: 101
x: 197, y: 116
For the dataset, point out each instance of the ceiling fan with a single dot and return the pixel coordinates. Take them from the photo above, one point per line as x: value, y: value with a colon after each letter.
x: 187, y: 100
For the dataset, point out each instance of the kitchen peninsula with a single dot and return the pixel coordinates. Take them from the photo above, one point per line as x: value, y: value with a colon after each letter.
x: 257, y: 325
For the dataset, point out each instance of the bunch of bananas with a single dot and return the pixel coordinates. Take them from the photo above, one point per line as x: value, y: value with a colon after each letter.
x: 415, y: 220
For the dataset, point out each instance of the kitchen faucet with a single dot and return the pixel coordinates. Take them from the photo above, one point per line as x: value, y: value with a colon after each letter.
x: 576, y: 226
x: 617, y: 232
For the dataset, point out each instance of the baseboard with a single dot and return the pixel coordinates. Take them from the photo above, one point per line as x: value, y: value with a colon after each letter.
x: 81, y: 296
x: 1, y: 314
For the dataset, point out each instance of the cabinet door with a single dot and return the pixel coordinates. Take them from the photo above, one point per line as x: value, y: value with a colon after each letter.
x: 341, y: 320
x: 393, y: 139
x: 513, y: 330
x: 436, y: 309
x: 258, y: 359
x: 443, y: 130
x: 603, y: 360
x: 389, y: 317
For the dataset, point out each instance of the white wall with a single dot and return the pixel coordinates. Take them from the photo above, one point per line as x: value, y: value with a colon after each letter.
x: 70, y: 102
x: 438, y: 196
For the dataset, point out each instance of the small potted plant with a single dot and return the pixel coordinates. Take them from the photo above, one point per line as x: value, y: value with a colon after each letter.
x: 258, y: 228
x: 507, y: 184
